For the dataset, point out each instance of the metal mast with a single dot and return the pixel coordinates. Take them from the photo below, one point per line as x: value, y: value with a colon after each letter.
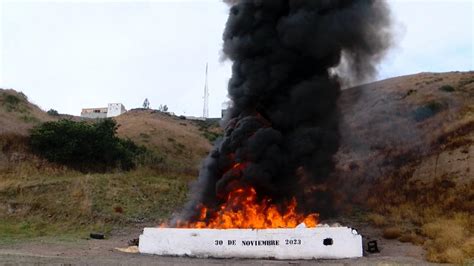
x: 205, y: 112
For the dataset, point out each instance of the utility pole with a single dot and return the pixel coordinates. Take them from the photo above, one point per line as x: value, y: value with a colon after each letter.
x: 205, y: 113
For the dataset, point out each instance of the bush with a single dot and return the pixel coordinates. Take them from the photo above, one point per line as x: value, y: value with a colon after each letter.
x: 11, y: 102
x: 428, y: 110
x: 211, y: 136
x: 209, y: 129
x: 12, y: 99
x: 52, y: 112
x: 447, y: 88
x: 85, y: 146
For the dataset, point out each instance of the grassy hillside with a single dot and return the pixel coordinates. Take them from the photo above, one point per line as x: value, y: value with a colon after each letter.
x: 61, y: 203
x: 406, y: 161
x: 180, y: 143
x: 17, y: 117
x: 39, y: 198
x: 408, y: 156
x: 17, y: 114
x: 398, y: 121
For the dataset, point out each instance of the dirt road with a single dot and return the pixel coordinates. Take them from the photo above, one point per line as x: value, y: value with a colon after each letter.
x: 103, y: 252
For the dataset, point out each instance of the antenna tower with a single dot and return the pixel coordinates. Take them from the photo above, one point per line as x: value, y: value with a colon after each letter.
x: 205, y: 112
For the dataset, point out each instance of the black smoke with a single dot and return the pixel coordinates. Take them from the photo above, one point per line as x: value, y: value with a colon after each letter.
x: 283, y: 122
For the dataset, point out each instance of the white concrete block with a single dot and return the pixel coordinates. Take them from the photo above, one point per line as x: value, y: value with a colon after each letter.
x: 297, y: 243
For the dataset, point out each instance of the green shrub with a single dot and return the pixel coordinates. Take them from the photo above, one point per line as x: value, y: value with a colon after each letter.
x: 206, y: 127
x: 52, y: 112
x: 11, y: 99
x: 428, y: 110
x: 447, y: 88
x: 23, y: 96
x: 211, y: 136
x: 85, y: 146
x: 466, y: 81
x: 11, y: 102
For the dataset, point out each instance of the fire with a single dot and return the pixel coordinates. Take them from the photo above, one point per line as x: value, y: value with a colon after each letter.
x: 243, y: 210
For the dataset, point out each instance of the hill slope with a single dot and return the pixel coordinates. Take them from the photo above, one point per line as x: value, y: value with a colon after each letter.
x: 408, y: 156
x: 406, y: 159
x: 386, y: 123
x: 179, y: 142
x: 17, y: 115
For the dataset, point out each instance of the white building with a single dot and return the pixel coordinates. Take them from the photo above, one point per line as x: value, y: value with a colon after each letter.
x: 113, y: 110
x: 94, y: 113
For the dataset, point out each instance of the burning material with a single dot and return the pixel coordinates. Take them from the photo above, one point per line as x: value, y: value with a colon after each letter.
x: 243, y: 210
x: 289, y: 59
x: 270, y: 171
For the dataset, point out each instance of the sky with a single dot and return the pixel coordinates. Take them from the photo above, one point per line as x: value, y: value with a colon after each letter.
x: 69, y: 55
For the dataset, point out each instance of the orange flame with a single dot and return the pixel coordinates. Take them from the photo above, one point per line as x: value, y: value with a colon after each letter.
x: 242, y: 210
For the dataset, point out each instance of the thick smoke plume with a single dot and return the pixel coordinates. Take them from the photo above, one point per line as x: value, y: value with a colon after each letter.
x: 283, y: 123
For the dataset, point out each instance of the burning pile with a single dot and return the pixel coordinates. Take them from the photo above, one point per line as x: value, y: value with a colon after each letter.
x: 243, y: 210
x: 289, y: 57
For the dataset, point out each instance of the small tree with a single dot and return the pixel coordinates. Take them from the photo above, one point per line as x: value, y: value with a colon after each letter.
x: 163, y: 108
x: 146, y: 104
x: 52, y: 112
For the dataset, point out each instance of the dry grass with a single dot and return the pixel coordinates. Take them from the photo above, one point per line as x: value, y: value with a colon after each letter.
x: 435, y: 214
x: 414, y: 174
x: 17, y: 161
x: 71, y: 203
x: 19, y: 115
x: 411, y: 237
x: 377, y: 219
x: 450, y: 240
x: 38, y: 198
x: 179, y: 142
x: 392, y: 232
x: 447, y: 238
x: 436, y: 218
x: 385, y: 142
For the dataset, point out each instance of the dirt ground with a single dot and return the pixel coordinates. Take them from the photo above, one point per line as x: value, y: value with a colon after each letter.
x: 103, y: 252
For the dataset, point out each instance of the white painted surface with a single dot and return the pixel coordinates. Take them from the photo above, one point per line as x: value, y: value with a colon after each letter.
x: 298, y: 243
x: 115, y: 109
